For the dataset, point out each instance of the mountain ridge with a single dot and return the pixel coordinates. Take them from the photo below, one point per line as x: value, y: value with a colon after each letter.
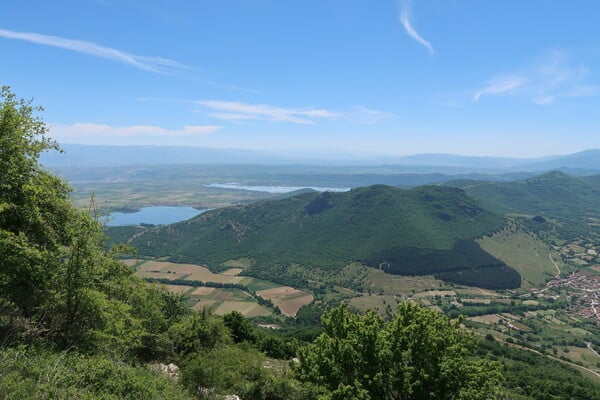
x: 424, y: 230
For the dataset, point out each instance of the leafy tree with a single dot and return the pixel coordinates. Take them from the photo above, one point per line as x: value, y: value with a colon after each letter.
x: 419, y: 354
x: 197, y: 332
x: 34, y: 207
x: 56, y: 278
x: 241, y: 329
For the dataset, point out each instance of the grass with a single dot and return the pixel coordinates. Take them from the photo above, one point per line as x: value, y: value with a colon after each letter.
x: 380, y: 282
x: 524, y: 252
x: 239, y: 263
x: 32, y: 373
x: 377, y: 303
x: 258, y: 284
x: 248, y: 309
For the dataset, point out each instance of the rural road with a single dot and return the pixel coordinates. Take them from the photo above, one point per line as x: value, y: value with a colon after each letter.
x: 557, y: 271
x: 555, y: 266
x: 589, y: 345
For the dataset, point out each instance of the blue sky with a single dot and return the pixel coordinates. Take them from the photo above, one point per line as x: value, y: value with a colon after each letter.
x: 503, y: 78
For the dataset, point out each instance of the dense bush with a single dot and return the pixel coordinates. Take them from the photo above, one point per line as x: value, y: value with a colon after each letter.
x: 30, y: 373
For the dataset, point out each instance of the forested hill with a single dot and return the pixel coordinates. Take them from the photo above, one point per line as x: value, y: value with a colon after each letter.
x: 425, y: 230
x: 551, y: 194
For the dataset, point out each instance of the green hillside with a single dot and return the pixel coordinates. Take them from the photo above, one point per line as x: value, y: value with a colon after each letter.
x: 569, y: 202
x: 426, y: 230
x: 550, y: 194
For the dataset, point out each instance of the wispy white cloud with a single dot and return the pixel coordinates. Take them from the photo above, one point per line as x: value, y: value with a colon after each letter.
x: 236, y: 111
x: 405, y: 21
x: 87, y: 130
x: 552, y: 77
x: 154, y: 64
x: 367, y: 116
x: 500, y: 86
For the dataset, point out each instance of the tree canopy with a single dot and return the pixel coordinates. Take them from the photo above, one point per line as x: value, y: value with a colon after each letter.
x: 56, y: 278
x: 419, y: 354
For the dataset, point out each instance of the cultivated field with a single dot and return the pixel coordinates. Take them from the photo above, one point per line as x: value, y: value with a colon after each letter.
x: 288, y: 299
x: 179, y: 289
x: 248, y: 309
x: 384, y: 283
x: 224, y: 300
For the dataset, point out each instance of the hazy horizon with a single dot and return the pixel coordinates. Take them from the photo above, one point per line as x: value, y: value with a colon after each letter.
x: 324, y: 152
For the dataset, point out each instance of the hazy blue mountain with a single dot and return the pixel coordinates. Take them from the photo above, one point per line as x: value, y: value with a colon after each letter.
x: 588, y: 160
x: 452, y: 160
x: 585, y: 162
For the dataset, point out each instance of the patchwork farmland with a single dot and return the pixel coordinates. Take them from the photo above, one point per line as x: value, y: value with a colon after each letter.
x: 222, y: 300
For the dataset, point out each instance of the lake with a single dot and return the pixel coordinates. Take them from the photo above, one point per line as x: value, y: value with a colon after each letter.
x: 159, y: 215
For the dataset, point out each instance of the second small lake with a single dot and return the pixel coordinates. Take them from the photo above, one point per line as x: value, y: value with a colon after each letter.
x: 158, y: 215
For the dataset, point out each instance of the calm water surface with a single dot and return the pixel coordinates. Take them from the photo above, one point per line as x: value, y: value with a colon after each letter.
x: 159, y: 215
x: 276, y: 189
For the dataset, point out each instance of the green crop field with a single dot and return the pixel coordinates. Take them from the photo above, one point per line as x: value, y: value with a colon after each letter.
x: 523, y: 252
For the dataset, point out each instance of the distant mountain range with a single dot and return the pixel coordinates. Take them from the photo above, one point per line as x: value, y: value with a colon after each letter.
x: 585, y: 162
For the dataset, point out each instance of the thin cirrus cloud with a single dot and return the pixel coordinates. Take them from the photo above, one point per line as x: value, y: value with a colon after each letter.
x: 154, y: 64
x: 237, y: 111
x: 367, y: 116
x: 553, y: 77
x: 80, y: 131
x: 410, y: 30
x: 500, y: 86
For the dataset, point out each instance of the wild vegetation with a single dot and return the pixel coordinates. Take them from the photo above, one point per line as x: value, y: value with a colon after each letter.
x: 75, y: 322
x: 564, y: 201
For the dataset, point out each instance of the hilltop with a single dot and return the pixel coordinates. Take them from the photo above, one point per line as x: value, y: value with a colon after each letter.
x: 552, y: 195
x: 425, y: 230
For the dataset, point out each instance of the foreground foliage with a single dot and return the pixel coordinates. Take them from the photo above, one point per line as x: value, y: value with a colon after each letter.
x: 29, y: 373
x: 419, y: 354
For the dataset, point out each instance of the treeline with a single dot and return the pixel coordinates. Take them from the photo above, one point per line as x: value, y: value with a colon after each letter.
x: 494, y: 308
x: 466, y: 264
